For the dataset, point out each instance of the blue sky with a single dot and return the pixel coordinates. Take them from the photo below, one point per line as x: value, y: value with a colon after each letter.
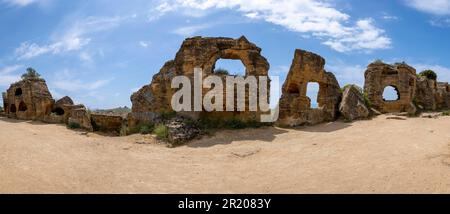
x: 100, y: 51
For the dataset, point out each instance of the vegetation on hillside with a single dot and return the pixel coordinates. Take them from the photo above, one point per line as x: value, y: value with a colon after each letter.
x: 429, y: 74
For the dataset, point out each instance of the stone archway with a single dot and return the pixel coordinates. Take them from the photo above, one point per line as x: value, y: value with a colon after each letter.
x: 401, y: 76
x: 198, y: 52
x: 391, y: 94
x: 295, y: 105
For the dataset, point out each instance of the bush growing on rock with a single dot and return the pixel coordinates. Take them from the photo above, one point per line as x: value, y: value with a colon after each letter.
x: 429, y: 74
x: 31, y: 74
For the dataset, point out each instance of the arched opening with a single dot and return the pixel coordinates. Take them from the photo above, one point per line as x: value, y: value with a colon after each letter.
x: 312, y: 92
x: 23, y: 107
x: 391, y: 94
x: 58, y: 111
x: 233, y: 67
x: 18, y: 92
x: 12, y: 109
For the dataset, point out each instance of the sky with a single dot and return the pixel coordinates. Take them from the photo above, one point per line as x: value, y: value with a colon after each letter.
x: 99, y: 51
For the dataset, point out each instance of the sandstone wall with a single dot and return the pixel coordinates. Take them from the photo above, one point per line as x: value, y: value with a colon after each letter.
x: 107, y: 123
x: 295, y: 107
x: 201, y: 53
x: 400, y: 76
x: 29, y: 99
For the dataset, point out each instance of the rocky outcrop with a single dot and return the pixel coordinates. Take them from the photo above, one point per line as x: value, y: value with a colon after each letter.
x: 28, y: 99
x: 426, y: 93
x: 295, y: 107
x: 402, y: 77
x: 180, y: 131
x: 198, y: 52
x: 353, y: 105
x: 107, y: 123
x: 79, y: 116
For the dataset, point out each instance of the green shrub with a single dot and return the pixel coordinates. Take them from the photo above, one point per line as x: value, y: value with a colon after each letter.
x: 161, y: 131
x: 221, y: 71
x: 143, y: 128
x: 367, y: 100
x: 235, y: 123
x: 167, y: 115
x: 73, y: 125
x: 429, y: 74
x: 446, y: 113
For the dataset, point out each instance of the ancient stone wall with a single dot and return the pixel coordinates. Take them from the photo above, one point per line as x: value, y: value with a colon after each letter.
x: 29, y: 99
x: 201, y: 53
x: 443, y: 95
x: 107, y: 123
x: 295, y: 107
x: 402, y: 77
x: 426, y: 94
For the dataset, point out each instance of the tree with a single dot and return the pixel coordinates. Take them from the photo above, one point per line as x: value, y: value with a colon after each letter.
x: 31, y: 74
x: 429, y: 74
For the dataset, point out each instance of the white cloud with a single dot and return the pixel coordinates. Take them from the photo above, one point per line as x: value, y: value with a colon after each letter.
x: 7, y: 75
x: 144, y: 44
x: 70, y: 81
x: 435, y: 7
x: 442, y: 72
x: 347, y: 73
x: 190, y: 30
x: 71, y: 39
x: 315, y: 17
x: 20, y: 3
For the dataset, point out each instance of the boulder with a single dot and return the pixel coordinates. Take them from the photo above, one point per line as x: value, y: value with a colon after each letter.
x: 295, y: 107
x: 353, y: 106
x: 81, y: 116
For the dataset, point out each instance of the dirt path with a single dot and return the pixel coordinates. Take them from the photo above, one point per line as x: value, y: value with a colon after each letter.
x: 376, y: 156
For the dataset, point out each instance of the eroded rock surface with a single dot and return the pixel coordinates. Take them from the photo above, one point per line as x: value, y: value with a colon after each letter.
x: 28, y: 99
x: 295, y: 107
x: 401, y: 76
x: 353, y: 106
x: 426, y: 93
x: 198, y: 52
x: 180, y: 131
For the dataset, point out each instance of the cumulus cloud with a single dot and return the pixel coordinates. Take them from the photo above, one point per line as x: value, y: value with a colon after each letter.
x: 313, y: 17
x: 73, y: 38
x: 435, y: 7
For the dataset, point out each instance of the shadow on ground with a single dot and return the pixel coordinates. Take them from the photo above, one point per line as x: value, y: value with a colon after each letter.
x: 266, y: 134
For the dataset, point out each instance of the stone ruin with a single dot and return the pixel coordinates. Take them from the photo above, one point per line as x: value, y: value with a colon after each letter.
x: 30, y: 99
x: 295, y: 107
x: 401, y: 77
x: 197, y: 52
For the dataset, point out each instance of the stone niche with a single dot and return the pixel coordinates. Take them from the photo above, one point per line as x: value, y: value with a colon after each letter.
x: 401, y: 77
x: 28, y: 99
x: 198, y: 52
x: 295, y: 106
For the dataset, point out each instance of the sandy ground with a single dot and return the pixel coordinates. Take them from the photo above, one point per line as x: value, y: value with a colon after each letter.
x: 376, y: 156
